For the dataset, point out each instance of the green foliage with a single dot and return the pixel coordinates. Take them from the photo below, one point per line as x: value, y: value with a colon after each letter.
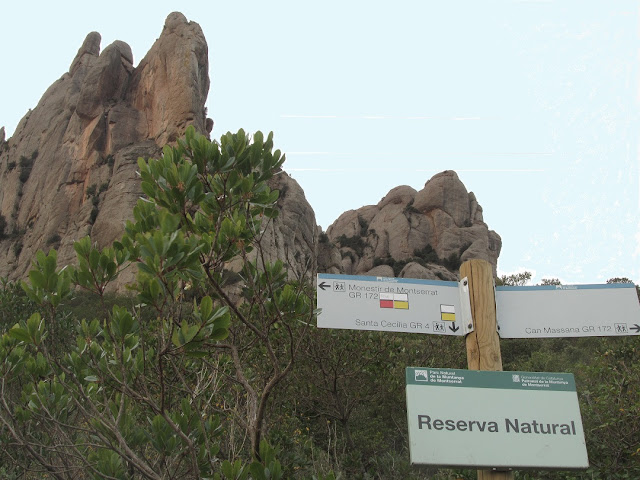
x: 452, y: 262
x: 108, y: 160
x: 53, y: 239
x: 409, y: 208
x: 133, y: 389
x: 91, y: 190
x: 364, y: 226
x: 3, y: 226
x: 47, y: 285
x: 624, y: 280
x: 427, y: 254
x: 93, y: 215
x: 26, y: 165
x: 424, y: 256
x: 209, y: 368
x: 514, y: 280
x: 14, y: 304
x: 355, y: 243
x: 17, y: 247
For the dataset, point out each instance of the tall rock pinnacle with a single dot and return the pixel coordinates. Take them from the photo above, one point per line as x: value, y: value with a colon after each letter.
x: 70, y: 168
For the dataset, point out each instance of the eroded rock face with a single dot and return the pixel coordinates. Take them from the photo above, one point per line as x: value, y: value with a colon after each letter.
x: 70, y: 168
x: 292, y: 235
x: 425, y: 234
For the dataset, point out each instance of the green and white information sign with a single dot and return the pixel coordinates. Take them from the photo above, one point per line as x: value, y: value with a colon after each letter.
x: 468, y: 418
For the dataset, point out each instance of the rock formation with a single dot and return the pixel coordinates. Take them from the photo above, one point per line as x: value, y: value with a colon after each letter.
x: 70, y: 171
x: 425, y: 234
x: 70, y: 168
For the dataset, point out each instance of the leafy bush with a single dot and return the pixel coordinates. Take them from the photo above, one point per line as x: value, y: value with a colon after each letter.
x: 426, y: 255
x: 452, y: 262
x: 364, y: 226
x: 164, y: 376
x: 53, y: 239
x: 93, y: 215
x: 355, y: 243
x: 26, y: 165
x: 409, y: 208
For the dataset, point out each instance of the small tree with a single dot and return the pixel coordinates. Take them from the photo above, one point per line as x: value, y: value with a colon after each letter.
x: 144, y: 391
x: 515, y: 279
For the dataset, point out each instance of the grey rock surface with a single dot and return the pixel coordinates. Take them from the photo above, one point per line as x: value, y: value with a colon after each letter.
x: 70, y: 170
x: 415, y: 234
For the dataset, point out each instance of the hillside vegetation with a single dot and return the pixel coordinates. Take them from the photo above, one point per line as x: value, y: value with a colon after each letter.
x: 212, y: 366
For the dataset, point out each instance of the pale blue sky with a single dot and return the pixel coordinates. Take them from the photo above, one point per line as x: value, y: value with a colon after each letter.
x: 533, y: 103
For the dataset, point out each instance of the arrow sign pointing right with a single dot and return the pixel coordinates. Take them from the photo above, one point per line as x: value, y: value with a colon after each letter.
x: 453, y: 328
x: 635, y: 327
x: 323, y: 286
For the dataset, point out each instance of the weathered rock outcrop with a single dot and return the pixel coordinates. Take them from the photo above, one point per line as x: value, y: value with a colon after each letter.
x: 425, y: 234
x: 70, y: 168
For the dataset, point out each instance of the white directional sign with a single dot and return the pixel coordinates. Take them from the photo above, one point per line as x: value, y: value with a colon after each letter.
x: 393, y: 304
x: 568, y: 311
x: 468, y: 418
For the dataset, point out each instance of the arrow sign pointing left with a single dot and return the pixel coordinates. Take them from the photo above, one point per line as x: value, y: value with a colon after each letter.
x: 388, y: 304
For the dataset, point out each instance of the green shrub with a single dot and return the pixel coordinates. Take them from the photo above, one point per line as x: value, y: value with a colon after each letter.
x: 53, y: 239
x: 452, y: 262
x: 349, y: 254
x: 94, y: 215
x: 409, y: 208
x: 108, y: 160
x: 24, y: 175
x: 354, y: 243
x: 17, y: 248
x: 364, y: 226
x: 26, y: 165
x: 398, y: 265
x: 426, y: 255
x: 91, y: 190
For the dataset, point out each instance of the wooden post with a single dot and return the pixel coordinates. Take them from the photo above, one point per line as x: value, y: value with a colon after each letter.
x: 483, y: 344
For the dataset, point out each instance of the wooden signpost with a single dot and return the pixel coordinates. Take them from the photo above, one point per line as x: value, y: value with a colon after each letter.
x: 469, y: 308
x: 483, y: 344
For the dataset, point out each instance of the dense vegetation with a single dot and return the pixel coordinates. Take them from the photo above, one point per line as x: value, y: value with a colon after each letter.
x: 204, y: 371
